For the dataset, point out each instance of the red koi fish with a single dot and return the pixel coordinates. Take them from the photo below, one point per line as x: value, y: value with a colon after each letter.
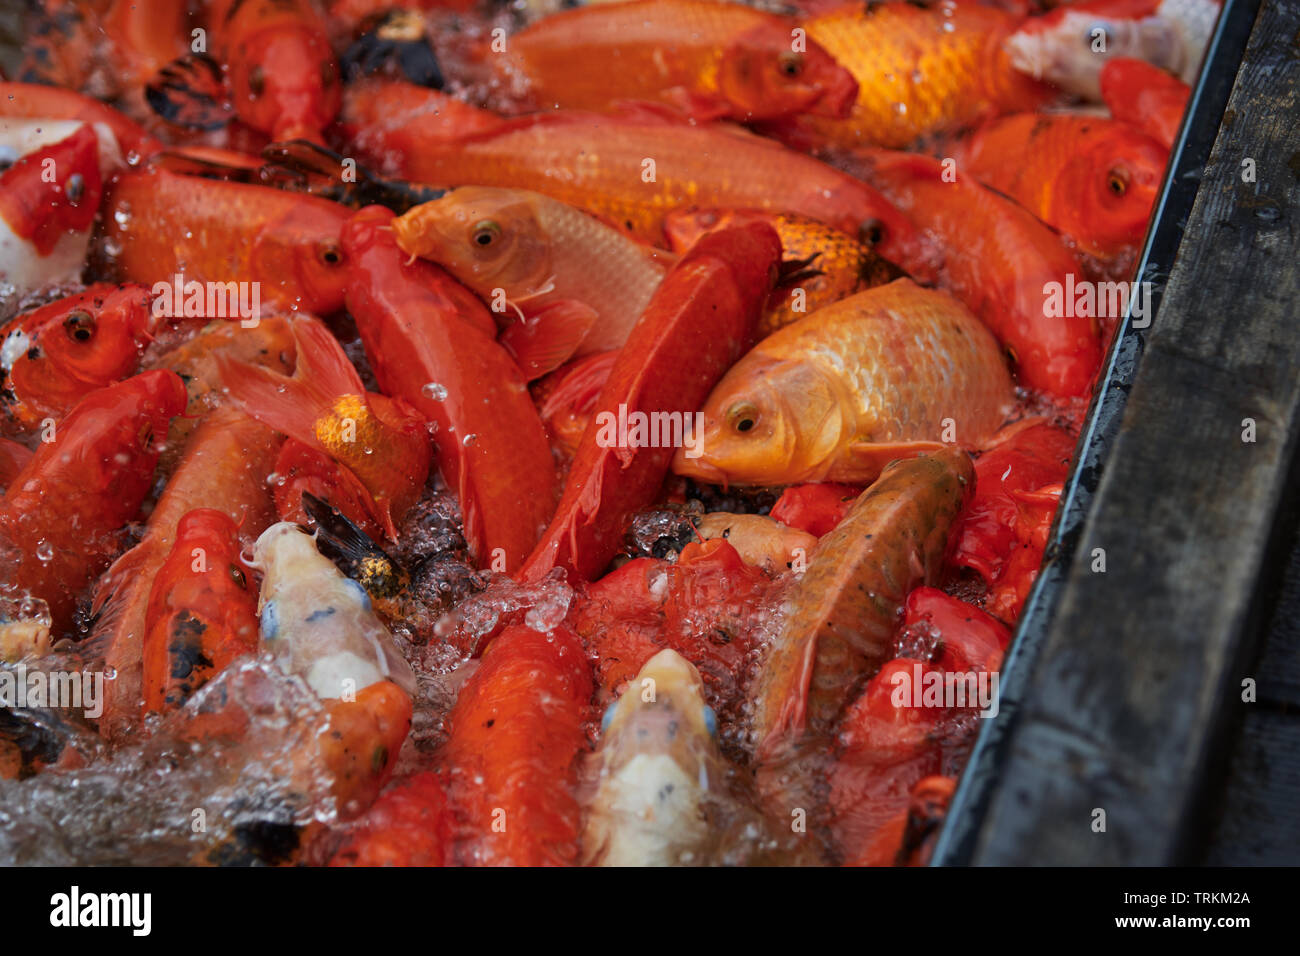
x: 1001, y: 261
x: 516, y: 733
x: 1145, y: 97
x: 36, y: 101
x: 432, y: 343
x: 700, y: 320
x: 60, y: 512
x: 54, y: 355
x: 383, y: 441
x: 202, y: 610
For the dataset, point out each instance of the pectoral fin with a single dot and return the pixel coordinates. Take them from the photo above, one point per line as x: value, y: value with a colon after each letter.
x: 865, y: 460
x: 548, y: 338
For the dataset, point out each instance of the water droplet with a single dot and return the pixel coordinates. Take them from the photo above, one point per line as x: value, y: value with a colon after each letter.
x: 469, y: 440
x: 45, y: 551
x: 434, y: 391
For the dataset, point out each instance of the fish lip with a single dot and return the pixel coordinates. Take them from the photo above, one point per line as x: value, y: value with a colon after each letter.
x: 697, y: 468
x: 839, y: 97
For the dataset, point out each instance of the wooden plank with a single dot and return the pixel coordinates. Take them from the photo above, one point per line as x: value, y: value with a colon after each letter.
x: 1126, y: 699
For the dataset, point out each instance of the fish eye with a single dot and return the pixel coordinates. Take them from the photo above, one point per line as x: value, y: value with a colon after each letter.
x: 710, y: 720
x: 330, y: 254
x: 256, y: 81
x: 608, y: 717
x: 742, y: 416
x: 485, y: 233
x: 237, y: 576
x: 80, y: 325
x: 75, y: 188
x: 1117, y: 181
x: 790, y: 63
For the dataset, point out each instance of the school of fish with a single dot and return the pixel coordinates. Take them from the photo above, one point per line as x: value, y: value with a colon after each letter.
x: 549, y: 433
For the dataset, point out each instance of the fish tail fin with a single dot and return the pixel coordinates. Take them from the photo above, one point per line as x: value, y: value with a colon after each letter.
x: 356, y: 554
x: 294, y: 404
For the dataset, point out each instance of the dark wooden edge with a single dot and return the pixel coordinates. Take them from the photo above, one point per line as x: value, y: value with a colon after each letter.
x: 1115, y: 693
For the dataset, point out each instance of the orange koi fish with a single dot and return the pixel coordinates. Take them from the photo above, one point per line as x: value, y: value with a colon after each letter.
x: 877, y: 376
x: 711, y: 59
x: 52, y: 356
x: 1092, y: 179
x: 921, y: 69
x: 576, y: 285
x: 161, y: 225
x: 202, y: 610
x: 383, y: 441
x: 632, y: 170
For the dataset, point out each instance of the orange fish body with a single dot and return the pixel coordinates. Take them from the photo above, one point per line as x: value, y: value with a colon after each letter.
x: 282, y: 74
x: 430, y: 342
x: 407, y: 826
x: 632, y: 171
x: 224, y: 467
x: 516, y: 733
x: 385, y: 443
x: 202, y: 610
x: 892, y: 372
x: 54, y: 355
x: 1001, y: 261
x: 712, y: 59
x: 61, y: 511
x: 845, y: 607
x: 1145, y: 97
x: 1094, y: 180
x: 385, y: 119
x: 287, y: 243
x: 920, y: 70
x: 837, y: 264
x: 572, y: 285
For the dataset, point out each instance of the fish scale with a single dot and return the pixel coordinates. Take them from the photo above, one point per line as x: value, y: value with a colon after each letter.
x: 919, y: 71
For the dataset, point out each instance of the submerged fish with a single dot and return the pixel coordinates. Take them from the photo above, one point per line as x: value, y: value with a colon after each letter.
x: 711, y: 59
x: 658, y: 761
x: 892, y: 372
x: 576, y: 285
x: 1070, y: 45
x: 1092, y: 179
x: 319, y: 624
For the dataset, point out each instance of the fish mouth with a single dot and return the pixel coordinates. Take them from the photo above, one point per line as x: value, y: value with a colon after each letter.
x: 839, y: 97
x: 697, y: 468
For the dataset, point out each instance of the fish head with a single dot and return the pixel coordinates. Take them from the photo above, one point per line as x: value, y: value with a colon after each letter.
x: 286, y: 83
x: 95, y: 337
x: 212, y: 533
x: 1068, y: 46
x: 488, y: 238
x: 1117, y: 178
x: 765, y: 74
x: 300, y: 259
x: 769, y: 421
x: 661, y: 713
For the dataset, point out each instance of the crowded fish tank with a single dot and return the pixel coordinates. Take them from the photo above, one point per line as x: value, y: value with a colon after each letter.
x: 465, y: 433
